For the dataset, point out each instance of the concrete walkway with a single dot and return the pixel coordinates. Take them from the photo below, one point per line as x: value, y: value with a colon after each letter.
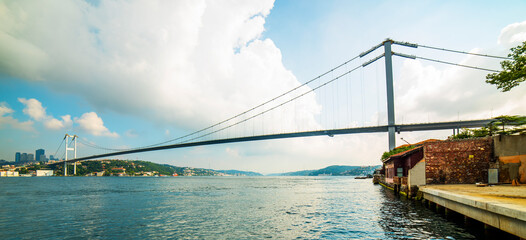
x: 501, y: 206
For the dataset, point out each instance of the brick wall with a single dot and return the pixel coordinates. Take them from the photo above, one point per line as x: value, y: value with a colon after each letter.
x: 458, y: 161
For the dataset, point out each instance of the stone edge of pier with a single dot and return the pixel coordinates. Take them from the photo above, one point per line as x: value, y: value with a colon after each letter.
x: 504, y: 216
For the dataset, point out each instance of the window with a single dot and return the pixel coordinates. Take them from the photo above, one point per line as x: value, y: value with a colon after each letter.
x: 400, y: 172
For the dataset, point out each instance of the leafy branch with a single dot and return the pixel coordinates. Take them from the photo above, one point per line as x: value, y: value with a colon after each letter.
x: 513, y: 71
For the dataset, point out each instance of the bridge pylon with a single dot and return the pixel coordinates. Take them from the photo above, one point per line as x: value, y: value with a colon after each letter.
x: 74, y: 148
x: 390, y: 93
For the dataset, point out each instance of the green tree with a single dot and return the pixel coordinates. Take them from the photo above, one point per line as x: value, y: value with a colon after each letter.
x: 502, y: 125
x: 510, y: 124
x: 513, y: 71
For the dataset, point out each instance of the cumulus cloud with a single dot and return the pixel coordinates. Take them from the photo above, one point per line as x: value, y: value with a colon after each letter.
x: 55, y: 124
x: 6, y: 120
x: 427, y: 92
x: 93, y: 124
x: 183, y: 63
x: 193, y: 63
x: 34, y: 109
x: 513, y: 34
x: 90, y: 122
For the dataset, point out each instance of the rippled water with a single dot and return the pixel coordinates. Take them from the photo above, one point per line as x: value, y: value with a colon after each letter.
x: 212, y: 208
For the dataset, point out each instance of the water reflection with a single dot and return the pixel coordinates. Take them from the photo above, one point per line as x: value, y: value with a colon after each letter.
x: 402, y: 219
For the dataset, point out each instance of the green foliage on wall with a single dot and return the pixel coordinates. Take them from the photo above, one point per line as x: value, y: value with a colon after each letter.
x: 386, y: 155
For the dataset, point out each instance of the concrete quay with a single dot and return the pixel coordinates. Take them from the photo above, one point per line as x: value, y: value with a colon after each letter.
x: 500, y: 206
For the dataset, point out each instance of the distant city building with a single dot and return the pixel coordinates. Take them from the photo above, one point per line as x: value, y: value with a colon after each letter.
x: 30, y: 157
x: 40, y: 155
x: 23, y: 157
x: 17, y: 157
x: 51, y: 157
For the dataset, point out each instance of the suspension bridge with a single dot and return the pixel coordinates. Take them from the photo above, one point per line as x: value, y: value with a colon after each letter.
x: 254, y: 121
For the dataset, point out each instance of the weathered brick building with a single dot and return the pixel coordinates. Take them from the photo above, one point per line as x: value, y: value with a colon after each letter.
x: 498, y: 159
x: 458, y: 161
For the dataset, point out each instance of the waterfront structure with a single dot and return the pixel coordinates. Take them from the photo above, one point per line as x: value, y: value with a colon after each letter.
x: 449, y: 175
x: 498, y: 159
x: 4, y: 173
x: 44, y: 173
x: 397, y: 166
x: 458, y: 161
x: 499, y: 206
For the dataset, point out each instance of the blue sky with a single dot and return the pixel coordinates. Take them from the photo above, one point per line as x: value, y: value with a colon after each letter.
x: 134, y: 73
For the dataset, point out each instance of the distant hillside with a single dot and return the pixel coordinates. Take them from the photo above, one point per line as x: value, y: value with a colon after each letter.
x: 298, y: 173
x: 139, y: 168
x: 335, y: 170
x: 239, y: 173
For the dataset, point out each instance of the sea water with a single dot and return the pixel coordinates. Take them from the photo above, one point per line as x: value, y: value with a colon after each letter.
x: 212, y: 208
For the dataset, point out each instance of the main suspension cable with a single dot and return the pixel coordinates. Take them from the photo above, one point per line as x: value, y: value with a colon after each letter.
x: 270, y: 109
x: 240, y: 114
x: 463, y: 52
x: 456, y: 64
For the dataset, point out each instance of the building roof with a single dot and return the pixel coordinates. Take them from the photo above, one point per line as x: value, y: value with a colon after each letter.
x: 420, y: 143
x: 403, y: 154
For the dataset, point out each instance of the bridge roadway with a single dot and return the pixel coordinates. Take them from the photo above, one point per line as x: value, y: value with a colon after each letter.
x: 330, y: 133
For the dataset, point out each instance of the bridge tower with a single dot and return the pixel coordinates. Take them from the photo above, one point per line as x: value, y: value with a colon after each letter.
x: 74, y: 148
x: 390, y: 93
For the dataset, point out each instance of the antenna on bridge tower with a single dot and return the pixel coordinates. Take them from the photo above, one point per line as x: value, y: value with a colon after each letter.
x: 74, y: 138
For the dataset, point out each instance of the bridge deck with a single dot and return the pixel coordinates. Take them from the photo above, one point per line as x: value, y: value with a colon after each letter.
x: 373, y: 129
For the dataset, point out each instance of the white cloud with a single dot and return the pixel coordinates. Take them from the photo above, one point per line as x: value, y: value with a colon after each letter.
x: 4, y: 109
x: 55, y: 124
x: 88, y: 122
x: 513, y: 34
x: 193, y: 63
x: 231, y: 152
x: 179, y: 63
x: 34, y: 109
x: 93, y: 124
x: 6, y: 120
x: 131, y: 133
x: 176, y: 63
x: 446, y: 93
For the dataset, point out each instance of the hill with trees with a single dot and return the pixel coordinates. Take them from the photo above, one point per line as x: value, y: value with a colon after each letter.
x: 335, y: 170
x: 137, y: 168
